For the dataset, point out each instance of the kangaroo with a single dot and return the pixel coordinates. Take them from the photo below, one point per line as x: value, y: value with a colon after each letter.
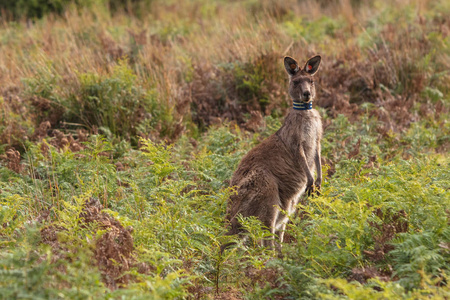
x: 277, y: 172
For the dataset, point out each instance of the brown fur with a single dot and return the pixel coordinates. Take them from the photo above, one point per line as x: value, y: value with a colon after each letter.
x: 278, y: 171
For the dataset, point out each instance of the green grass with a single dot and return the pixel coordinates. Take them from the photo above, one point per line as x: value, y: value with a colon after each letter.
x: 175, y: 201
x: 129, y: 127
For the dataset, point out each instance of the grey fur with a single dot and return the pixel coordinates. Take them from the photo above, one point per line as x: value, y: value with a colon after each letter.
x: 277, y: 172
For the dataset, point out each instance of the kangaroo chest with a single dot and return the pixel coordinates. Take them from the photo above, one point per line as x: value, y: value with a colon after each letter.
x: 302, y: 133
x: 309, y: 134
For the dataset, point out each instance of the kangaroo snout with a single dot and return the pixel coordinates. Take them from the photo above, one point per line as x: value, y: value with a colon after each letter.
x: 306, y: 95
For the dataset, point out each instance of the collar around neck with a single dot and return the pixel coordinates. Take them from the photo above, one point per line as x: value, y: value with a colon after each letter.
x: 302, y: 105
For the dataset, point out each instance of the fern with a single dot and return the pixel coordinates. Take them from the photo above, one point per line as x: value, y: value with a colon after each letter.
x: 421, y: 253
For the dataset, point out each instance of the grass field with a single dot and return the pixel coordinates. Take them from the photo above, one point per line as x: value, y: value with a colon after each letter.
x: 121, y: 123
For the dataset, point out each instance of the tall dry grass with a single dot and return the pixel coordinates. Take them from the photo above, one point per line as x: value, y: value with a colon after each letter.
x: 207, y: 61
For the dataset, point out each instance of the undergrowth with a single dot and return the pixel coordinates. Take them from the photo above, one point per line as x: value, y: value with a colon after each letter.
x: 121, y: 123
x: 376, y: 221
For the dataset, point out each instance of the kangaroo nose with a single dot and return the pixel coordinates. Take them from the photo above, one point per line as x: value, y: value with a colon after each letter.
x: 307, y: 94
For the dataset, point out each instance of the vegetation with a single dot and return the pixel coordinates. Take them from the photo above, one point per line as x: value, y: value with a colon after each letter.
x: 121, y: 123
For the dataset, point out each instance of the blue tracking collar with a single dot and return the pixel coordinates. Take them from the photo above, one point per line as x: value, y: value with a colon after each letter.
x: 303, y: 105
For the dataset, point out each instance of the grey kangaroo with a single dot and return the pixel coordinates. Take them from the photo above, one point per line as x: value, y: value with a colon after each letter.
x: 277, y: 172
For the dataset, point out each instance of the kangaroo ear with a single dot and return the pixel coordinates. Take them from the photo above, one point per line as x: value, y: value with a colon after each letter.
x: 312, y: 65
x: 291, y: 65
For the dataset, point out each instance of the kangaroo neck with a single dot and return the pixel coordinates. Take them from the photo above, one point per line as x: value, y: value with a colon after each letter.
x: 291, y: 129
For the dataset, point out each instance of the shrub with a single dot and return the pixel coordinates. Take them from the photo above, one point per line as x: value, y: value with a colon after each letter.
x: 36, y: 9
x: 31, y: 9
x: 115, y: 103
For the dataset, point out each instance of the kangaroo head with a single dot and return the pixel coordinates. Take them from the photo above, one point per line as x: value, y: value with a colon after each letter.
x: 301, y: 82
